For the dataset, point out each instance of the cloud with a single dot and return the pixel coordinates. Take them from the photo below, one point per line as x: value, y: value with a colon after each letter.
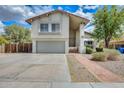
x: 87, y: 15
x: 40, y: 9
x: 90, y: 28
x: 1, y: 24
x: 1, y: 27
x: 91, y: 6
x: 8, y: 12
x: 80, y: 12
x: 12, y: 12
x: 60, y: 8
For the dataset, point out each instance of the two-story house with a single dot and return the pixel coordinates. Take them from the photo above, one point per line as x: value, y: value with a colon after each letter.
x: 56, y: 31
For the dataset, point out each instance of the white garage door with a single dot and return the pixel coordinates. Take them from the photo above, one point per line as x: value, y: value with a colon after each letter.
x: 50, y: 47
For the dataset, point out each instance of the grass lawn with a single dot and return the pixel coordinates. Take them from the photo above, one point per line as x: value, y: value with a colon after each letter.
x: 78, y: 72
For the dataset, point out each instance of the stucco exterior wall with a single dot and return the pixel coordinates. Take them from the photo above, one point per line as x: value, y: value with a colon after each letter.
x: 86, y: 35
x: 82, y: 47
x: 62, y: 19
x: 77, y: 38
x: 63, y: 35
x: 72, y: 37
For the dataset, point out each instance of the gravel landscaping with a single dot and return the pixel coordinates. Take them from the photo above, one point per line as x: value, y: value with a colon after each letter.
x: 78, y: 72
x: 116, y: 67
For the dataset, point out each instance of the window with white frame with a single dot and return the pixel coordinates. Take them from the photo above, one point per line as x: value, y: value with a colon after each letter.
x: 44, y: 27
x: 55, y: 27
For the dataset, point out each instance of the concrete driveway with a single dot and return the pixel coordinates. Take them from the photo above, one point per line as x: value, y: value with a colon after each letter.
x: 34, y: 70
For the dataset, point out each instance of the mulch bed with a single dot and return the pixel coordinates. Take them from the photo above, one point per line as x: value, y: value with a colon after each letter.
x: 78, y: 72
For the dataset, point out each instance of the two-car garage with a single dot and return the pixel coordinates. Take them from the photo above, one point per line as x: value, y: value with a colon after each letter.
x: 50, y: 46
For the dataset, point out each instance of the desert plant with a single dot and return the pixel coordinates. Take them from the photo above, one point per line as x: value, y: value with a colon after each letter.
x: 108, y: 54
x: 112, y: 54
x: 99, y: 56
x: 111, y: 46
x: 89, y: 50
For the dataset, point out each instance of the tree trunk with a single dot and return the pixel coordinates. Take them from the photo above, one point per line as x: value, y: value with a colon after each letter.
x: 107, y: 43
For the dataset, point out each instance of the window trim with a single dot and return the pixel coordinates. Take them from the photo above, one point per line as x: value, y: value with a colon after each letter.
x: 43, y: 31
x: 59, y: 27
x: 49, y: 28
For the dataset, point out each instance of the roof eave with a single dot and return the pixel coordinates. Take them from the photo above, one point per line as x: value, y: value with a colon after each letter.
x: 46, y: 14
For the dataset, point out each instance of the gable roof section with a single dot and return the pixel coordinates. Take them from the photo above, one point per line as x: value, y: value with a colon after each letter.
x: 56, y: 11
x: 89, y: 33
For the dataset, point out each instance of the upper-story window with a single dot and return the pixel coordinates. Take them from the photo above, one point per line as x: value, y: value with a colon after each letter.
x: 51, y: 27
x: 55, y: 27
x: 44, y: 28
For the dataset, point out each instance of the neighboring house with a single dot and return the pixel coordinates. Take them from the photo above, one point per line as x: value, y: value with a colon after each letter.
x: 88, y: 40
x: 57, y: 31
x: 116, y: 43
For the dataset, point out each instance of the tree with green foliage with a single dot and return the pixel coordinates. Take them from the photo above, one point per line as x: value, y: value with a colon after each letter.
x: 17, y: 34
x: 108, y: 21
x: 3, y: 40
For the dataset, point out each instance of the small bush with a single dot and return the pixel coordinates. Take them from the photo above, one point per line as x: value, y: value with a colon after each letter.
x: 99, y: 56
x: 89, y: 50
x: 99, y: 49
x: 90, y: 46
x: 111, y: 46
x: 108, y: 54
x: 112, y: 54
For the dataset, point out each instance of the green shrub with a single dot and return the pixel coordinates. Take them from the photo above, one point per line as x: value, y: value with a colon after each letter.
x: 89, y: 50
x: 101, y: 44
x: 111, y: 46
x: 99, y: 56
x: 99, y: 49
x: 90, y: 46
x: 3, y: 40
x: 112, y: 54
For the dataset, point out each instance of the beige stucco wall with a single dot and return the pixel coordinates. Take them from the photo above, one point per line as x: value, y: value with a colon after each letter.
x: 54, y: 18
x: 87, y: 35
x: 77, y: 38
x: 72, y: 37
x: 62, y: 19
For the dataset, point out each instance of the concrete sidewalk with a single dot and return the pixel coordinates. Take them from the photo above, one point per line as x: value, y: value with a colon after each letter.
x: 59, y: 85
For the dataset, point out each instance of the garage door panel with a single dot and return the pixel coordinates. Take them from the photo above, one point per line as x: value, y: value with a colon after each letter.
x: 50, y: 46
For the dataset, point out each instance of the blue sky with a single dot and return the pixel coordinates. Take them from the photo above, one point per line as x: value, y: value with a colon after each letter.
x: 17, y: 14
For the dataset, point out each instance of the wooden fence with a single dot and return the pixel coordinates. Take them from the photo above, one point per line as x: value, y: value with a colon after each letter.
x: 2, y: 49
x: 16, y: 48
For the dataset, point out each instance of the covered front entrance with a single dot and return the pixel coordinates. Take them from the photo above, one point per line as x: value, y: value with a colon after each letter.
x: 74, y: 33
